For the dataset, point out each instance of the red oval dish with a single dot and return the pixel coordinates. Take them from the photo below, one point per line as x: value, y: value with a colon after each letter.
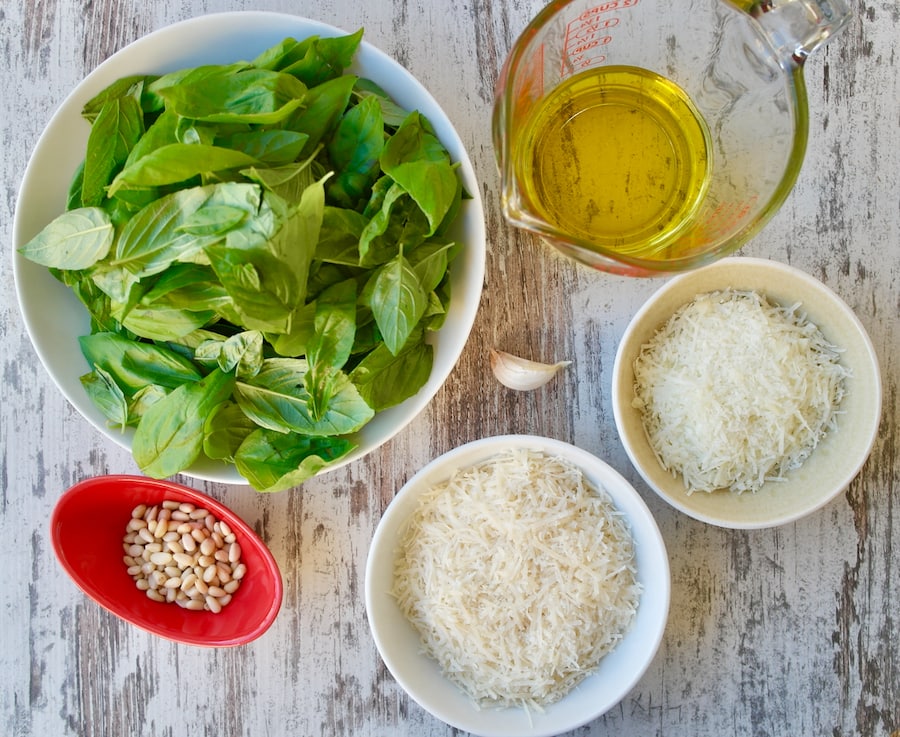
x: 87, y: 527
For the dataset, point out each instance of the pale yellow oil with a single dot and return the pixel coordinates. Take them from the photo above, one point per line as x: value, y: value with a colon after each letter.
x: 618, y: 157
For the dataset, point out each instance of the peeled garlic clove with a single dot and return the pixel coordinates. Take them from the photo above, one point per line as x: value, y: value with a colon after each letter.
x: 520, y: 373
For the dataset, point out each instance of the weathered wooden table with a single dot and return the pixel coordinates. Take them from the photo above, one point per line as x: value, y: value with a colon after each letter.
x: 790, y: 631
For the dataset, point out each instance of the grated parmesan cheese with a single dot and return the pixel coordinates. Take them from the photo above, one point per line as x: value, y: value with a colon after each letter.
x: 519, y: 577
x: 735, y: 391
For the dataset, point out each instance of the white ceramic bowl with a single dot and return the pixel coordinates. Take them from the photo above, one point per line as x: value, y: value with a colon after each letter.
x: 838, y: 457
x: 53, y: 316
x: 619, y: 670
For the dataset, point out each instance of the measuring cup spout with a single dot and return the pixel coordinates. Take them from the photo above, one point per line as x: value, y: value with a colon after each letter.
x: 797, y: 27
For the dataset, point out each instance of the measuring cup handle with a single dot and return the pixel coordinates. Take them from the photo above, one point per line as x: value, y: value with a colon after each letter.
x: 797, y: 27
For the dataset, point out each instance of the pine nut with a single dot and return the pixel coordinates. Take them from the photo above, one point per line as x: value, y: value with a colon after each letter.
x: 183, y: 560
x: 232, y: 586
x: 208, y: 546
x: 181, y: 554
x: 234, y: 552
x: 161, y: 559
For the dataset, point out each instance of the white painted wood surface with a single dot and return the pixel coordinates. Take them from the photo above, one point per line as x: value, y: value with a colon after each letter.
x: 792, y: 631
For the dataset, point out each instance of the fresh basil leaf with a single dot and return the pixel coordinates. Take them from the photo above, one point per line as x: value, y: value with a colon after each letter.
x: 277, y: 399
x: 106, y: 395
x: 77, y: 239
x: 330, y: 346
x: 224, y: 431
x: 340, y: 236
x: 142, y: 400
x: 335, y: 326
x: 241, y: 353
x: 156, y: 237
x: 272, y: 147
x: 354, y: 150
x: 116, y: 130
x: 322, y: 109
x: 391, y: 112
x: 164, y: 322
x: 169, y: 437
x: 134, y: 365
x: 155, y: 91
x: 273, y: 461
x: 122, y: 87
x: 415, y: 158
x: 397, y: 301
x: 178, y: 162
x: 300, y: 328
x: 400, y: 225
x: 430, y: 262
x: 257, y: 96
x: 323, y: 58
x: 385, y: 380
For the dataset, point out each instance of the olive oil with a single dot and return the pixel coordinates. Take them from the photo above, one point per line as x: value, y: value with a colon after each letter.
x: 618, y: 157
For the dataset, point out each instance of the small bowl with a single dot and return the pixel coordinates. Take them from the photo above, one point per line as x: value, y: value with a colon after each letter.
x: 421, y: 677
x: 838, y: 457
x: 54, y: 318
x: 87, y: 527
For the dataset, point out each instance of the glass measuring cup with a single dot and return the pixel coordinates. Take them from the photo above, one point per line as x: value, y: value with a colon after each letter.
x: 652, y: 136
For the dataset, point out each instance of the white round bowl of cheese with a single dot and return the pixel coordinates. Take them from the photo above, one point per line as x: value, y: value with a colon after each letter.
x: 488, y: 587
x: 718, y: 412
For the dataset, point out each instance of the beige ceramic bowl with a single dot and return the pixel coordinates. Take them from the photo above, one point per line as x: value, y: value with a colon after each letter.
x: 835, y: 461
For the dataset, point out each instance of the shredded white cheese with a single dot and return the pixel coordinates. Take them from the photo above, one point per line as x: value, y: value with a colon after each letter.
x: 519, y: 576
x: 735, y: 391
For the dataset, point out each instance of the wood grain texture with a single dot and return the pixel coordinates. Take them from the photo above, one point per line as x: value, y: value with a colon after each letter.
x: 792, y: 631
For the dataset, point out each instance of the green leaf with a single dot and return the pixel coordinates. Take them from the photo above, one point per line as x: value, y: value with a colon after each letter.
x: 322, y: 109
x: 115, y: 132
x: 391, y: 112
x: 354, y: 150
x: 164, y: 322
x: 277, y: 399
x: 224, y: 431
x: 384, y: 379
x: 257, y: 96
x: 415, y: 158
x: 169, y: 437
x: 122, y: 87
x: 74, y: 240
x: 160, y: 234
x: 241, y: 353
x: 178, y: 162
x: 399, y: 225
x: 273, y: 461
x: 330, y: 345
x: 134, y: 365
x: 300, y: 329
x: 272, y: 147
x: 317, y: 60
x: 397, y: 301
x: 340, y: 235
x: 106, y: 395
x: 335, y: 326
